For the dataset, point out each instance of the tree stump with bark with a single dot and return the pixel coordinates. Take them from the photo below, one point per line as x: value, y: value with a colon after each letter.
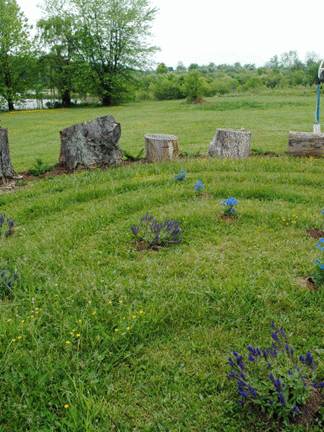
x: 230, y: 143
x: 91, y: 144
x: 161, y: 147
x: 306, y: 144
x: 6, y: 169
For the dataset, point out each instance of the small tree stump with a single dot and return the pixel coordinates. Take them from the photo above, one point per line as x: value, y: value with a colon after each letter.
x: 6, y: 170
x: 91, y: 144
x: 230, y: 143
x: 161, y: 147
x: 306, y: 144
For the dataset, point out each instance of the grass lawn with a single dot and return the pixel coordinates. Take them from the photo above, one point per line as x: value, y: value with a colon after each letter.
x: 100, y: 336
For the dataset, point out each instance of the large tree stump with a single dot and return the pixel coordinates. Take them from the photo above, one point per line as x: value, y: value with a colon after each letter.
x: 160, y: 147
x: 6, y: 170
x: 91, y: 144
x: 306, y: 144
x: 230, y: 143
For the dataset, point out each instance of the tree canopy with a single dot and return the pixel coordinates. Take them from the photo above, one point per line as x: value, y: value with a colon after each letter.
x: 109, y: 37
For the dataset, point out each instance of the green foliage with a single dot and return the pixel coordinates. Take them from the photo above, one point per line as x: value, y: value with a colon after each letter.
x: 169, y: 87
x: 162, y: 69
x: 16, y: 65
x: 40, y: 168
x: 132, y: 158
x: 194, y: 85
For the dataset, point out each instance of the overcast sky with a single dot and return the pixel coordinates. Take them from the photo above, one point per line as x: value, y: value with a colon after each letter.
x: 206, y: 31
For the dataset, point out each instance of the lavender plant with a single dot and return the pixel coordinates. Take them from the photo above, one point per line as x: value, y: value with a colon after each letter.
x: 7, y: 279
x: 181, y: 176
x: 153, y: 232
x: 229, y: 206
x: 319, y: 267
x: 6, y: 226
x: 275, y: 379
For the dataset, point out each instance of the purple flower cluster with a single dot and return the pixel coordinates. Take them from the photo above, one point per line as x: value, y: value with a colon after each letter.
x: 10, y: 223
x: 153, y: 232
x: 280, y: 389
x: 6, y: 281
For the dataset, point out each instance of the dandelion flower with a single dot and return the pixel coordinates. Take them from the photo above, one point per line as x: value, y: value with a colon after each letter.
x: 78, y: 335
x: 13, y: 340
x: 134, y: 316
x: 9, y: 320
x: 94, y: 313
x: 127, y: 328
x: 116, y: 330
x: 66, y: 406
x: 31, y: 316
x: 67, y: 342
x: 19, y: 337
x: 22, y: 321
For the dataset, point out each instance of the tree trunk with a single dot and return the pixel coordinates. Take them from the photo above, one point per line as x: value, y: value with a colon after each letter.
x: 161, y: 147
x: 66, y: 98
x: 229, y: 143
x: 306, y: 144
x: 10, y: 104
x: 6, y: 170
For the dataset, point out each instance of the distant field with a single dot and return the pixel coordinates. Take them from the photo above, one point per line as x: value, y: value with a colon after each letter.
x: 99, y: 336
x: 35, y: 134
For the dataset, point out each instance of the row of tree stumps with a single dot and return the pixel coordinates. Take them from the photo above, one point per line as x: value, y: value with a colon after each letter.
x: 95, y: 144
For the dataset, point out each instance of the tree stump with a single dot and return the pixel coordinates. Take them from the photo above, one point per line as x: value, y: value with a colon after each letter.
x: 160, y: 147
x: 306, y: 144
x: 6, y: 170
x: 91, y: 144
x: 230, y: 143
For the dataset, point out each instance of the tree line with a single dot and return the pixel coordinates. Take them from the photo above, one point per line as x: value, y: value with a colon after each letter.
x: 101, y: 48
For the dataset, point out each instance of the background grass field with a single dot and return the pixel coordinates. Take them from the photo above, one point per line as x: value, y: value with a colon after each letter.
x: 99, y: 336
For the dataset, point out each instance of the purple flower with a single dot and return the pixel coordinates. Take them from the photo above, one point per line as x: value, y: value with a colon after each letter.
x: 271, y: 377
x: 275, y: 336
x: 231, y: 374
x: 235, y: 353
x: 282, y: 399
x: 270, y: 402
x: 252, y: 391
x: 314, y: 385
x: 241, y: 402
x: 241, y: 375
x: 301, y: 358
x: 243, y: 394
x: 309, y: 358
x: 269, y: 365
x: 290, y: 373
x: 295, y: 408
x: 251, y: 358
x: 292, y: 351
x: 273, y: 325
x: 231, y: 361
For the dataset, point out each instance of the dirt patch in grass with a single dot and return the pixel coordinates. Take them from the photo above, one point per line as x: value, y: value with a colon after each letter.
x: 316, y: 233
x: 306, y: 283
x: 227, y: 218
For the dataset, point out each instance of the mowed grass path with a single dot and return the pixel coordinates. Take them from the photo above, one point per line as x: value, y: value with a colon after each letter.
x: 100, y: 336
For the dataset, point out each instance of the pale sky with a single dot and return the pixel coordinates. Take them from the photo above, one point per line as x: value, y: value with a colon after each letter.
x: 207, y: 31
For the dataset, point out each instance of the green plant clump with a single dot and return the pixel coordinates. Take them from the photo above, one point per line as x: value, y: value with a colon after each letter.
x: 154, y: 233
x: 40, y: 168
x: 275, y: 379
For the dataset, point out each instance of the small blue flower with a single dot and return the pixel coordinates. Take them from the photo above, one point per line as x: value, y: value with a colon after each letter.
x: 198, y: 185
x: 282, y: 399
x: 181, y: 175
x: 270, y: 402
x: 319, y: 244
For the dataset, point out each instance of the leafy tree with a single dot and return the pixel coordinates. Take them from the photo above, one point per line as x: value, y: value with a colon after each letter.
x: 162, y: 69
x: 111, y: 38
x: 58, y: 35
x: 195, y: 85
x: 15, y: 60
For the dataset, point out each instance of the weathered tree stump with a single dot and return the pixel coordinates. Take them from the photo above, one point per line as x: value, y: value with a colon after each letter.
x: 160, y: 147
x: 306, y: 144
x: 91, y: 144
x: 230, y: 143
x: 6, y: 170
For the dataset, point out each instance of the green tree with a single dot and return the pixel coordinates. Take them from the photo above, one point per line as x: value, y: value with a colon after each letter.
x: 15, y: 59
x: 162, y: 69
x: 56, y: 36
x: 195, y: 85
x: 111, y: 38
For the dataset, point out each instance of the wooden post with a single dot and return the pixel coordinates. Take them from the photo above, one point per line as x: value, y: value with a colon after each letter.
x: 6, y: 170
x: 230, y: 143
x: 160, y: 147
x: 306, y: 144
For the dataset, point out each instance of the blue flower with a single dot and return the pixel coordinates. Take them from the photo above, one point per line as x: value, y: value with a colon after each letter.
x: 270, y: 402
x: 181, y: 175
x: 198, y: 185
x: 319, y: 244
